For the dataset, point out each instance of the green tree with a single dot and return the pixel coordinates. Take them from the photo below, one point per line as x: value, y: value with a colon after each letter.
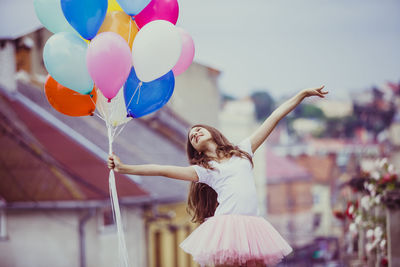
x: 264, y: 104
x: 308, y: 111
x: 340, y: 127
x: 225, y: 97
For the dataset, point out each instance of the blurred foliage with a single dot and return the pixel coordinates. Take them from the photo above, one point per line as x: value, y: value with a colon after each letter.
x: 264, y: 104
x: 308, y: 111
x: 373, y: 118
x: 225, y: 97
x: 374, y: 115
x: 340, y: 127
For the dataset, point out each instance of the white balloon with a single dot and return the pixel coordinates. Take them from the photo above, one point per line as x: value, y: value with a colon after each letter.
x: 113, y: 112
x: 156, y: 49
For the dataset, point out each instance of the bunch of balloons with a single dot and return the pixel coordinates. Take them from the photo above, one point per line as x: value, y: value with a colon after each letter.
x: 108, y: 46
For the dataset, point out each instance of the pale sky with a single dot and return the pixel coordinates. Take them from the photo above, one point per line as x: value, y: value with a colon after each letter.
x: 282, y: 45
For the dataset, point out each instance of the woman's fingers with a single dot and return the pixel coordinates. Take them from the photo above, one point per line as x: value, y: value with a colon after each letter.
x: 110, y: 162
x: 111, y: 166
x: 321, y: 93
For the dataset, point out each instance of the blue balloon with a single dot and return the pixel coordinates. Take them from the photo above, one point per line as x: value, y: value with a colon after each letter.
x: 86, y: 16
x: 133, y: 8
x: 142, y: 98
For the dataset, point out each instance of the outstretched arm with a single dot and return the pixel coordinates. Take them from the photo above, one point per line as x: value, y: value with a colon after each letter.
x: 261, y: 134
x: 175, y: 172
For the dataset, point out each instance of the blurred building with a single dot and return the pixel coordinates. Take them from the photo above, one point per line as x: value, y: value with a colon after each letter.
x: 335, y: 108
x: 54, y: 185
x: 394, y: 128
x: 196, y: 95
x: 289, y: 194
x: 394, y: 136
x: 324, y: 172
x: 361, y: 161
x: 55, y: 190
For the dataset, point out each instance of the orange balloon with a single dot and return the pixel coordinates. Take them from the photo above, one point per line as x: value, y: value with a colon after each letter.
x: 120, y: 23
x: 67, y: 101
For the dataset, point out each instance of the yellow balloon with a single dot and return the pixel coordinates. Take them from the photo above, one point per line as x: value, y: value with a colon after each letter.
x: 120, y: 23
x: 113, y: 6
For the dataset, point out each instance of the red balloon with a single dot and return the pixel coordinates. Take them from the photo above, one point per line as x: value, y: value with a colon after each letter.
x: 158, y: 10
x: 67, y: 101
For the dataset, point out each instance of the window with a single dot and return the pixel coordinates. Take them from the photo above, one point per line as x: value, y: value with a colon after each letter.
x: 316, y: 199
x: 106, y: 221
x: 317, y: 220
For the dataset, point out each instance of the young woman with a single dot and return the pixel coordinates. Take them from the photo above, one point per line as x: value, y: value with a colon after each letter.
x: 222, y: 195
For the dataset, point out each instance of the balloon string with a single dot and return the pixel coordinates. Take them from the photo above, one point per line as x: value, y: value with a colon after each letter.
x: 91, y: 99
x: 134, y: 93
x: 95, y: 113
x: 137, y: 102
x: 120, y: 130
x: 99, y: 116
x: 130, y: 29
x: 123, y: 252
x: 101, y: 111
x: 100, y: 108
x: 111, y: 106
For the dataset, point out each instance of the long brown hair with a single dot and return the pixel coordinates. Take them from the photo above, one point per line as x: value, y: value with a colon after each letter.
x: 202, y: 199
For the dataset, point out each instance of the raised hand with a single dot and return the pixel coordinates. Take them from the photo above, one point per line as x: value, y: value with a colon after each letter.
x: 315, y: 92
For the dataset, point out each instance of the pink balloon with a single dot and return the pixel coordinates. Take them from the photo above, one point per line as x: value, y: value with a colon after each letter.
x: 187, y: 53
x: 158, y: 10
x: 109, y: 62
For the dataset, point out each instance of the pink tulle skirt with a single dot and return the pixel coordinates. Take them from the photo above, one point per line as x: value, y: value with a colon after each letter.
x: 236, y: 239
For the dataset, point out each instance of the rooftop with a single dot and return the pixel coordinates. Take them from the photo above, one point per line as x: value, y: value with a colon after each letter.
x: 48, y: 156
x: 283, y: 169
